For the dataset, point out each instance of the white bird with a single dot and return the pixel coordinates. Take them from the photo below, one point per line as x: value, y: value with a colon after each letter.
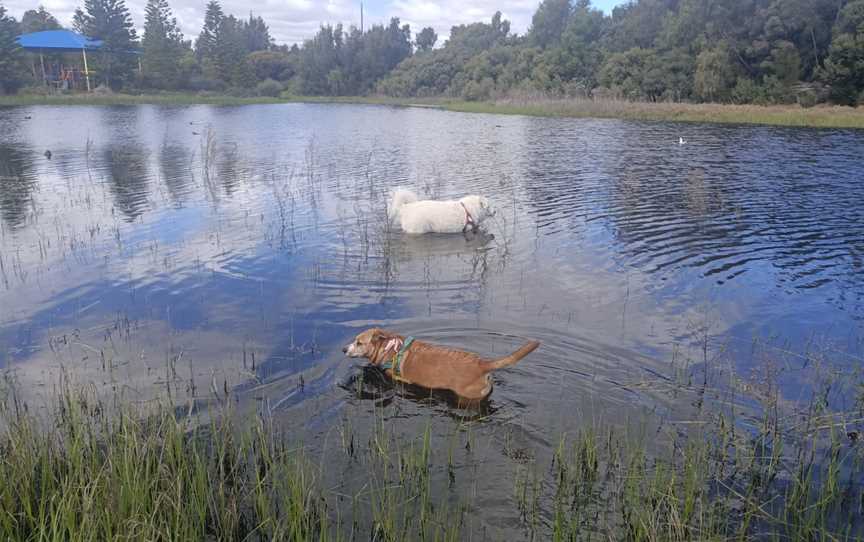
x: 681, y: 141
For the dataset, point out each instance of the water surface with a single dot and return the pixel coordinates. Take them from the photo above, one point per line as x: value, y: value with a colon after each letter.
x: 200, y: 249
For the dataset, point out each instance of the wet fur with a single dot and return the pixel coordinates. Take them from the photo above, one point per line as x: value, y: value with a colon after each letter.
x: 464, y: 373
x: 430, y: 216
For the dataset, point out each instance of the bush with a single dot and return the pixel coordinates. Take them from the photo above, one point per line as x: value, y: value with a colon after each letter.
x: 269, y: 88
x: 35, y: 90
x: 240, y: 92
x: 476, y: 91
x: 746, y: 91
x: 200, y: 83
x: 807, y: 98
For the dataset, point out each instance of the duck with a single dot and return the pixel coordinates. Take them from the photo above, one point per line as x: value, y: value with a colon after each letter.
x: 48, y: 154
x: 681, y: 141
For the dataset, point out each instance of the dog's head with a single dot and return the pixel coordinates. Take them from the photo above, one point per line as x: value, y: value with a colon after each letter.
x: 479, y: 207
x: 374, y: 344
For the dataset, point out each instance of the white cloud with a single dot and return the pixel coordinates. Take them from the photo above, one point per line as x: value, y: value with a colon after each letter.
x: 292, y: 21
x: 444, y: 14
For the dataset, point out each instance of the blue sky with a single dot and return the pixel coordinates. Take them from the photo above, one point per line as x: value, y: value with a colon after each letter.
x: 295, y: 20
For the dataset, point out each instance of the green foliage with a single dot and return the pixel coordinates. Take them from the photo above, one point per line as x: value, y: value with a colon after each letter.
x: 11, y: 71
x: 256, y: 35
x: 549, y: 22
x: 715, y: 74
x: 110, y: 21
x: 205, y: 45
x: 426, y: 39
x: 275, y: 65
x: 269, y: 88
x: 38, y: 20
x: 335, y: 63
x: 222, y: 48
x: 749, y: 51
x: 163, y: 47
x: 844, y: 68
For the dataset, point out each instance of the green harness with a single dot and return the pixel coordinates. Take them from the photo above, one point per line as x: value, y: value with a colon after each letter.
x: 396, y: 362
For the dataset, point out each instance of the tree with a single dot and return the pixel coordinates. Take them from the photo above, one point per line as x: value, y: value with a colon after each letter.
x: 549, y: 22
x: 221, y: 49
x: 38, y: 20
x: 844, y: 69
x: 205, y: 45
x: 163, y: 46
x: 574, y: 62
x: 276, y: 65
x: 426, y: 39
x: 256, y: 35
x: 319, y: 68
x: 715, y: 73
x: 477, y: 37
x: 625, y: 74
x: 109, y: 21
x: 230, y: 54
x: 11, y: 73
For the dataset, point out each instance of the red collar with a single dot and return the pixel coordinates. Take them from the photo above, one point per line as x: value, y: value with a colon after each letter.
x: 469, y: 220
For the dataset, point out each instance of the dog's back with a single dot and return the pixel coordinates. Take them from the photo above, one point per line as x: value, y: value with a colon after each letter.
x: 401, y: 197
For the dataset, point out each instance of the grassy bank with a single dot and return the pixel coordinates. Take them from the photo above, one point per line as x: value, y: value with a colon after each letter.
x: 101, y: 472
x: 791, y: 115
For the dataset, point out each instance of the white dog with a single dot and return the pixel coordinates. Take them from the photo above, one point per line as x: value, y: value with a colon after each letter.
x: 429, y: 216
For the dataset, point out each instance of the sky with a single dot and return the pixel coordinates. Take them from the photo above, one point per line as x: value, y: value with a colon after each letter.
x: 292, y: 21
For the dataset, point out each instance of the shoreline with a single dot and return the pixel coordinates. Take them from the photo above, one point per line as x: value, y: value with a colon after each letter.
x: 790, y: 116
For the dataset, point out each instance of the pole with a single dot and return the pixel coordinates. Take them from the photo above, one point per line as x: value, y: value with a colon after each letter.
x: 42, y: 61
x: 86, y: 69
x: 361, y: 17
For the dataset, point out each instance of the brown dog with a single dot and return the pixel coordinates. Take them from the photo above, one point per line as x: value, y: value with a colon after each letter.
x: 434, y: 367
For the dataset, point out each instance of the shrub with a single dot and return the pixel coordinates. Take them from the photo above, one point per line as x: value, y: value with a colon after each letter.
x: 807, y: 98
x: 199, y: 83
x: 747, y: 91
x: 240, y: 92
x: 269, y: 88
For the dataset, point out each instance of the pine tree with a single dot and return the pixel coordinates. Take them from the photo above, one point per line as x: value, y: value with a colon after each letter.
x: 426, y: 39
x: 38, y: 20
x: 205, y: 46
x: 162, y: 46
x: 109, y: 21
x: 256, y: 35
x: 11, y: 73
x: 230, y: 54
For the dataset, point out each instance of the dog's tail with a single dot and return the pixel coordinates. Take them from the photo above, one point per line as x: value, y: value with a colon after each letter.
x: 401, y: 196
x: 506, y: 361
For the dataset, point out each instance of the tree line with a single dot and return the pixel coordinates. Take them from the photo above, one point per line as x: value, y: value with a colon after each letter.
x: 747, y: 51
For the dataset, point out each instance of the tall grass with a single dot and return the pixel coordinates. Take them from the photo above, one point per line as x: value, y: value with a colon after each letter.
x: 777, y: 115
x: 822, y: 116
x: 93, y: 471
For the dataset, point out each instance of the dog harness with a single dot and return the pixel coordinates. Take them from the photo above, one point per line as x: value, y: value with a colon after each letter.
x: 469, y: 220
x: 396, y: 361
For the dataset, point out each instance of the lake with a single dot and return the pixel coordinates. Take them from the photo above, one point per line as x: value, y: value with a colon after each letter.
x: 205, y: 251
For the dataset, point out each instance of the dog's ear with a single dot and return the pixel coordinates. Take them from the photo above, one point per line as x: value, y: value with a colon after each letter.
x: 379, y: 335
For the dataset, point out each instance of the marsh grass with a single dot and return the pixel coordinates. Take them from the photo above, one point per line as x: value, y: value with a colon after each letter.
x: 822, y: 116
x: 780, y: 115
x: 92, y: 469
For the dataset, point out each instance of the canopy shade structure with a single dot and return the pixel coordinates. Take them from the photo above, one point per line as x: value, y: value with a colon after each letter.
x: 58, y: 41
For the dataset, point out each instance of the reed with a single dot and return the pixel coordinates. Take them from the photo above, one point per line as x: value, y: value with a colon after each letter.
x: 98, y: 470
x: 822, y: 116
